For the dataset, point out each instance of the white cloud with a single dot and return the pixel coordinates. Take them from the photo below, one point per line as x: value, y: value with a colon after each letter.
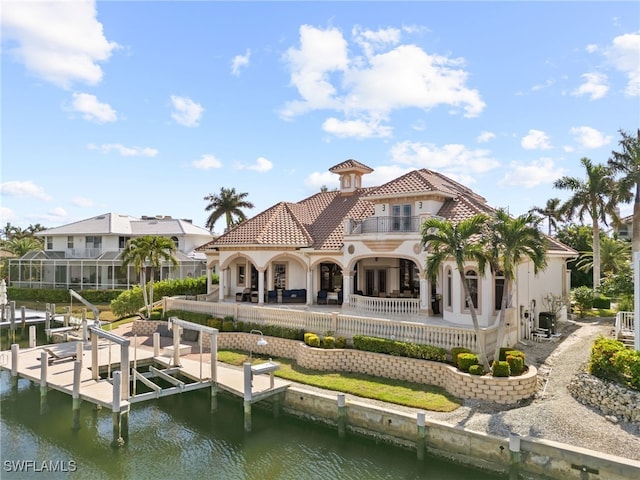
x: 484, y: 137
x: 124, y: 151
x: 367, y: 128
x: 92, y: 109
x: 532, y: 174
x: 624, y: 55
x: 589, y: 137
x: 60, y: 42
x: 595, y: 85
x: 7, y: 215
x: 451, y: 159
x: 535, y: 140
x: 261, y: 165
x: 82, y: 202
x: 591, y: 48
x: 366, y: 88
x: 186, y: 112
x: 23, y: 189
x: 207, y: 162
x: 55, y: 216
x: 240, y: 61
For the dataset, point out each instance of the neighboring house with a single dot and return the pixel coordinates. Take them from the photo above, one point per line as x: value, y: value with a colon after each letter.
x: 361, y: 247
x: 87, y: 254
x: 624, y: 230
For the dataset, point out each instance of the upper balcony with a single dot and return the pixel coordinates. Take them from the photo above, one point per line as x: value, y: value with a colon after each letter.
x: 386, y: 224
x: 83, y: 252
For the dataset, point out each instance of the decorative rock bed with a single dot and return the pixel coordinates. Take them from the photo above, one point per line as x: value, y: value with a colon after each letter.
x: 610, y: 398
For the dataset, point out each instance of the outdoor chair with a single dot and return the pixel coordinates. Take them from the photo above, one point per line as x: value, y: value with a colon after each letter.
x: 322, y: 297
x: 244, y: 295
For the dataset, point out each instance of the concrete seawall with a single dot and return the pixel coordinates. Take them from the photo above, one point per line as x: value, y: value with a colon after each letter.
x: 535, y: 458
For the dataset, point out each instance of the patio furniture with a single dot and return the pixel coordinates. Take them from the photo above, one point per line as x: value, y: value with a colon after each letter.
x: 54, y: 357
x: 322, y: 297
x: 244, y: 295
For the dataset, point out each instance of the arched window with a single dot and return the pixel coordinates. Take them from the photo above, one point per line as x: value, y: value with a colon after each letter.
x: 176, y: 242
x: 449, y: 292
x: 472, y: 281
x: 498, y: 290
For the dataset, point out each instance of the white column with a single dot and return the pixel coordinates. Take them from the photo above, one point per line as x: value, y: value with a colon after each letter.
x: 310, y: 289
x: 346, y: 288
x: 425, y: 294
x: 261, y: 286
x: 208, y: 279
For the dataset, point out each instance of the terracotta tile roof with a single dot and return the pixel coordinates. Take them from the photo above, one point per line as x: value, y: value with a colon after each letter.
x: 420, y: 181
x: 318, y: 221
x: 349, y: 165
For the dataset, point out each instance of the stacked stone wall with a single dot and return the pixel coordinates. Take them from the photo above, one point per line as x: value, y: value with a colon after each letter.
x: 609, y: 398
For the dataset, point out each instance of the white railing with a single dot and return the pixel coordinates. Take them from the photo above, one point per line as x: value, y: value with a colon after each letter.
x: 344, y: 325
x: 624, y: 324
x: 384, y: 305
x: 83, y: 252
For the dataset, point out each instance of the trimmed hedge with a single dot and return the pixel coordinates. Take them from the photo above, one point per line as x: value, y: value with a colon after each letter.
x: 455, y: 351
x: 59, y: 295
x: 328, y: 342
x: 476, y: 370
x: 466, y: 360
x: 611, y: 360
x: 401, y: 349
x: 501, y: 369
x: 341, y: 342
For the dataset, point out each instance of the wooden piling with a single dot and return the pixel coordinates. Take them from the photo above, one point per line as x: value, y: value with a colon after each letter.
x: 248, y: 383
x: 117, y: 441
x: 32, y: 336
x: 156, y: 344
x: 77, y: 371
x: 422, y: 430
x: 342, y: 415
x: 514, y: 456
x: 44, y: 364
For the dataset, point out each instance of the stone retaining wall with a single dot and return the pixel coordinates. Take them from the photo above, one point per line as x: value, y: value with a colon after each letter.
x: 608, y: 397
x: 495, y: 389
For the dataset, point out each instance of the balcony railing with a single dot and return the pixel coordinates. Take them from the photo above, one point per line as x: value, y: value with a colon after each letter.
x: 386, y: 224
x: 83, y: 252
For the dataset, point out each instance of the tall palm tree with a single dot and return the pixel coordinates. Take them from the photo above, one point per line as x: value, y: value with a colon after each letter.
x: 228, y: 203
x: 615, y: 255
x: 627, y: 162
x: 512, y: 240
x: 552, y: 211
x: 149, y: 250
x: 596, y: 197
x: 463, y: 242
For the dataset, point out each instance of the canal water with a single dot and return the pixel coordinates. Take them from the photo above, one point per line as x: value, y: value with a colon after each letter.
x: 177, y: 437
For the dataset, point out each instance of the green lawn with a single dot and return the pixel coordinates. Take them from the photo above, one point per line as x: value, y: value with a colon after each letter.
x: 426, y: 397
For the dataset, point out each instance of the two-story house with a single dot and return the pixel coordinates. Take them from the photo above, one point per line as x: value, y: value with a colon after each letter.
x: 361, y: 248
x: 87, y: 254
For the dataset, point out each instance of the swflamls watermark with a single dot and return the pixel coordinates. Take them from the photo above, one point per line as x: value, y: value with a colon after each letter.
x: 37, y: 466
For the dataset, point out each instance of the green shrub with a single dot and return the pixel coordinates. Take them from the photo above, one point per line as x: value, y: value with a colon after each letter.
x: 583, y: 298
x: 273, y: 331
x: 328, y: 342
x: 501, y: 369
x: 601, y: 302
x: 306, y: 337
x: 193, y: 317
x: 127, y: 303
x: 455, y: 351
x: 314, y: 341
x: 516, y: 364
x: 602, y: 352
x: 215, y: 323
x: 465, y: 360
x: 60, y: 295
x: 627, y: 362
x: 476, y: 370
x: 341, y: 342
x: 227, y: 326
x: 156, y: 314
x: 403, y: 349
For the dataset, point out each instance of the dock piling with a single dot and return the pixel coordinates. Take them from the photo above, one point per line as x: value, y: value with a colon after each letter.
x: 342, y: 415
x: 156, y: 344
x: 44, y: 363
x: 514, y: 456
x: 422, y: 430
x: 77, y: 370
x: 117, y: 441
x: 248, y: 383
x: 15, y: 352
x: 32, y: 336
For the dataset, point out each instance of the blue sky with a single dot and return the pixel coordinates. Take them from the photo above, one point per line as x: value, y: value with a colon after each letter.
x: 144, y: 108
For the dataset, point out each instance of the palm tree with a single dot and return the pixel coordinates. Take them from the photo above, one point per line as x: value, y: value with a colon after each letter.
x: 228, y: 203
x: 595, y: 196
x: 512, y: 240
x: 553, y: 211
x: 151, y: 250
x: 19, y: 246
x: 463, y: 242
x: 627, y: 162
x: 615, y: 255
